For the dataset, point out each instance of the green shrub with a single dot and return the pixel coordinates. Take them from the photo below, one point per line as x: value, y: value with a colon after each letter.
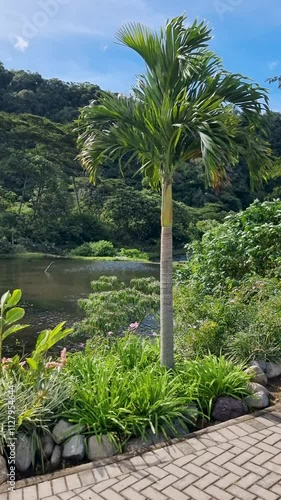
x: 5, y: 246
x: 100, y: 248
x: 258, y: 332
x: 244, y: 324
x: 214, y: 377
x: 246, y: 243
x: 113, y: 305
x: 121, y: 390
x: 133, y: 253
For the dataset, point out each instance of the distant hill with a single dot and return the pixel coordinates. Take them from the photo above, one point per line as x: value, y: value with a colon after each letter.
x: 46, y: 202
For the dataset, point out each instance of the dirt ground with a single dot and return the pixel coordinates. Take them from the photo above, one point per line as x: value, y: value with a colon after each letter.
x: 274, y: 387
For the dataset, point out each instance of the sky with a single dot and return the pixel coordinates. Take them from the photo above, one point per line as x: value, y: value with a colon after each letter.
x: 74, y: 40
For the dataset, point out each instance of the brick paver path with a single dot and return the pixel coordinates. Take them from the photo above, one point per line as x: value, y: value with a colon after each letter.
x: 238, y: 461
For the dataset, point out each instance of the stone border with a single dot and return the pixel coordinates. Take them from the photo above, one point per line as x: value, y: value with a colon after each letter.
x: 125, y: 456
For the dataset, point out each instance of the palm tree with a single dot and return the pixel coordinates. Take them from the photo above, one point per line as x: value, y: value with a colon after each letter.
x: 185, y: 106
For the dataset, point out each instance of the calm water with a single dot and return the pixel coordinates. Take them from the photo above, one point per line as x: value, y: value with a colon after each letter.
x: 51, y: 297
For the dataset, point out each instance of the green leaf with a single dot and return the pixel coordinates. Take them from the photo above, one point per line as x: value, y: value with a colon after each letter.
x: 14, y: 315
x: 32, y: 363
x: 13, y: 329
x: 4, y: 299
x: 15, y: 298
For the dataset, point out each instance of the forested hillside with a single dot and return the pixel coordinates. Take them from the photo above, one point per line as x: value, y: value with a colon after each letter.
x: 46, y: 202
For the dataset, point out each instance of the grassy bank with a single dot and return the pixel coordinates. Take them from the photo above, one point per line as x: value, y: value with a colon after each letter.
x: 39, y: 255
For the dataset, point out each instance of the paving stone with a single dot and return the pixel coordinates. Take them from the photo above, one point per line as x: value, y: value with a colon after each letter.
x: 113, y: 470
x: 269, y: 480
x: 89, y: 495
x: 142, y: 484
x: 174, y: 451
x: 196, y: 494
x: 44, y: 490
x: 73, y: 482
x: 205, y: 481
x: 240, y: 494
x: 186, y: 481
x: 222, y: 459
x: 241, y: 459
x: 176, y: 471
x: 262, y: 458
x: 157, y: 472
x: 174, y: 494
x: 30, y: 493
x: 263, y: 493
x: 165, y: 482
x: 131, y: 494
x: 227, y: 480
x: 218, y: 493
x: 86, y: 477
x: 100, y: 474
x: 249, y: 480
x: 152, y: 494
x: 59, y: 485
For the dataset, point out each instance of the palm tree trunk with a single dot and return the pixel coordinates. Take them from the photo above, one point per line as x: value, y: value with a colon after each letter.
x: 166, y: 276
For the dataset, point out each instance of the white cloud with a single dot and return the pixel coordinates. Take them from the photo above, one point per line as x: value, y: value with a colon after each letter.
x: 104, y: 48
x: 273, y: 64
x: 48, y: 18
x: 21, y: 44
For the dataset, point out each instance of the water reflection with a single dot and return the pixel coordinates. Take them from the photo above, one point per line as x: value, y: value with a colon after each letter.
x: 52, y: 297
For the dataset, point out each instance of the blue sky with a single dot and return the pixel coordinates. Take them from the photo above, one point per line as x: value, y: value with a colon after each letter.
x: 74, y: 39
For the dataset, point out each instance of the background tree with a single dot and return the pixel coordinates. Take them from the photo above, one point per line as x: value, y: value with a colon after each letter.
x: 185, y: 106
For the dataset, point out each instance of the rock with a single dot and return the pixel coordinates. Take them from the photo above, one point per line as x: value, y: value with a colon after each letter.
x: 226, y: 408
x: 257, y: 374
x: 100, y: 448
x: 254, y: 387
x: 47, y: 444
x: 56, y: 457
x: 259, y: 397
x: 273, y: 370
x: 74, y: 448
x: 261, y: 363
x: 258, y: 400
x: 150, y: 439
x: 3, y: 470
x: 64, y: 430
x: 23, y: 452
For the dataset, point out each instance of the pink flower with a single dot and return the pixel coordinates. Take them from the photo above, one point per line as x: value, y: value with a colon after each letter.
x: 63, y: 356
x: 134, y: 326
x: 6, y: 360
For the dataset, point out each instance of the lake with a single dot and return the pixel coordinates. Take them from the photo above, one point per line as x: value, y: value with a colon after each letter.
x: 51, y: 297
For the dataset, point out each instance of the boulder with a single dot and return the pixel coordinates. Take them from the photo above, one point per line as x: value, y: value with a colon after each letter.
x: 254, y: 387
x: 3, y: 470
x: 47, y: 444
x: 74, y: 448
x: 100, y: 448
x: 64, y: 430
x: 23, y: 452
x: 261, y: 363
x: 226, y: 408
x: 273, y: 370
x: 56, y: 457
x: 258, y: 400
x: 257, y: 374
